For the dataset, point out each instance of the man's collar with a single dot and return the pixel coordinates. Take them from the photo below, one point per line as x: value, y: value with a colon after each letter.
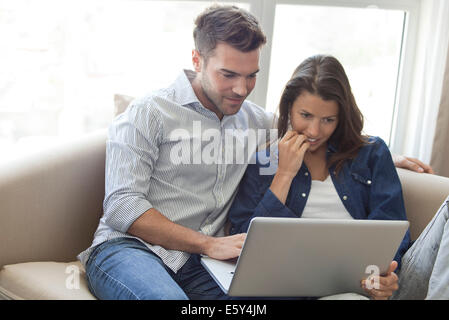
x: 184, y: 94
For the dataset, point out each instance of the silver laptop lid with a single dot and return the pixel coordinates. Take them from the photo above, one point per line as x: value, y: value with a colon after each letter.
x: 313, y: 257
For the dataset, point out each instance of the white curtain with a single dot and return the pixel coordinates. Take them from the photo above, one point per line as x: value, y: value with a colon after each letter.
x: 440, y: 150
x: 427, y: 80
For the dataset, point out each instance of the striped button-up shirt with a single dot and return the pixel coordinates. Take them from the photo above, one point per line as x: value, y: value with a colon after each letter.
x: 168, y: 152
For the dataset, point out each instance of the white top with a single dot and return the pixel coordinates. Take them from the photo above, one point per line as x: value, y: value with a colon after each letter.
x: 324, y: 203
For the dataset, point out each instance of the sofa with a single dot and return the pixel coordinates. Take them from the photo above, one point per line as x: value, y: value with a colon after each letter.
x: 51, y: 202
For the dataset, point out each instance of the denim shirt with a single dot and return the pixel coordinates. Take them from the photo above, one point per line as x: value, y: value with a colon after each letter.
x: 368, y: 186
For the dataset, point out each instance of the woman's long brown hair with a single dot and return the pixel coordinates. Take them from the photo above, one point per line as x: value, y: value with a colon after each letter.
x: 324, y: 76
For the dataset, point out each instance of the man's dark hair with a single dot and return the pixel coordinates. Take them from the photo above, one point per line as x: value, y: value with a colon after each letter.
x: 229, y: 24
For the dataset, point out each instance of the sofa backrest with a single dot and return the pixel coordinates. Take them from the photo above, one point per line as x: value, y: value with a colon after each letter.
x: 50, y: 203
x: 423, y: 195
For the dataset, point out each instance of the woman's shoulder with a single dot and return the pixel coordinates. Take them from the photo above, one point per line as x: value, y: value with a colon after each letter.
x: 374, y: 148
x: 374, y: 143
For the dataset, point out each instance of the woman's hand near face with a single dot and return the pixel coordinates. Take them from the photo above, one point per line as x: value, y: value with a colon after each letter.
x: 292, y: 148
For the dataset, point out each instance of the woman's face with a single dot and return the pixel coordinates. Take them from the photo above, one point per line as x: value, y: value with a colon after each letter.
x: 315, y: 118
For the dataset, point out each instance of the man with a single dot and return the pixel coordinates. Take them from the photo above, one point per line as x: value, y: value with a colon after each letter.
x: 162, y: 210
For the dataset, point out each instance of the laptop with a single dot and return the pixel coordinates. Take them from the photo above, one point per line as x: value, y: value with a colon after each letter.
x: 303, y: 257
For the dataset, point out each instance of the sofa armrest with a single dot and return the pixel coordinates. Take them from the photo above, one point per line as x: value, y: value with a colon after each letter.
x: 50, y: 203
x: 423, y: 195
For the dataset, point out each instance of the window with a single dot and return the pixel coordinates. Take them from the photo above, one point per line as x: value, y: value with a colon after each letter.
x: 366, y: 41
x: 62, y: 61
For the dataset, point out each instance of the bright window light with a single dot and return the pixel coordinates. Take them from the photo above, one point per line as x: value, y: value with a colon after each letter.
x: 367, y: 41
x: 62, y: 61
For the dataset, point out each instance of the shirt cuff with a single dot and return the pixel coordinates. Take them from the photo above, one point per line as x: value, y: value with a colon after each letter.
x: 275, y: 208
x: 122, y: 214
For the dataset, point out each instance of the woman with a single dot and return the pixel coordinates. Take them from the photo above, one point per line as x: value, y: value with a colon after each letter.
x: 324, y: 166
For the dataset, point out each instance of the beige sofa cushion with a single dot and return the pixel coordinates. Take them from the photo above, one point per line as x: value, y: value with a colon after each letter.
x: 44, y: 281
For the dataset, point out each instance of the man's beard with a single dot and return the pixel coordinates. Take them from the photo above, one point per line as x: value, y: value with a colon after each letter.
x: 205, y: 85
x: 214, y: 105
x: 215, y: 99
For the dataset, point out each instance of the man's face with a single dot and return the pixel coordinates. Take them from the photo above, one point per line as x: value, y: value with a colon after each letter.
x: 225, y: 78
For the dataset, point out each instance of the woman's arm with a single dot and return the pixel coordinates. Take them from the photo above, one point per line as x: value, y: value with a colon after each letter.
x: 255, y: 199
x: 259, y: 196
x: 292, y: 148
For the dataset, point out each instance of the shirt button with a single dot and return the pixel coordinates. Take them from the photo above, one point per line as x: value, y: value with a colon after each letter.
x: 303, y: 195
x: 369, y: 182
x: 345, y: 197
x: 306, y: 173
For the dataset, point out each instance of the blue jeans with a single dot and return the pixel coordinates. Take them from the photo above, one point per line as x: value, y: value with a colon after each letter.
x: 125, y: 269
x: 425, y: 266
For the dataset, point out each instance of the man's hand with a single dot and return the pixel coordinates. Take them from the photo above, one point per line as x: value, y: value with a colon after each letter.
x: 223, y: 248
x: 153, y: 227
x: 387, y: 284
x: 412, y: 164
